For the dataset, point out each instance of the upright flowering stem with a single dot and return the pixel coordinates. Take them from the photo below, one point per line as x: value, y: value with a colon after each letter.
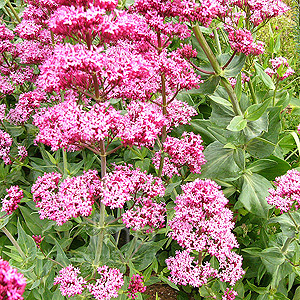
x: 13, y: 11
x: 14, y: 242
x: 252, y: 92
x: 164, y: 106
x: 102, y: 206
x: 217, y: 68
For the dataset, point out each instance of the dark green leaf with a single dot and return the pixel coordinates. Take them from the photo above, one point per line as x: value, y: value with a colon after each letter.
x: 255, y: 111
x: 254, y: 193
x: 235, y: 66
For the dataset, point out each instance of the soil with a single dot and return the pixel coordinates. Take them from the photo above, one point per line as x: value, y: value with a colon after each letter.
x: 164, y: 292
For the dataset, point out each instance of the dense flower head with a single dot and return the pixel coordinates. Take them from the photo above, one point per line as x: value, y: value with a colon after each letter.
x: 33, y: 52
x: 69, y: 125
x: 71, y: 198
x: 147, y: 215
x: 5, y: 144
x: 187, y: 151
x: 108, y: 5
x: 2, y: 112
x: 128, y: 184
x: 202, y: 223
x: 242, y: 41
x: 280, y: 68
x: 187, y: 51
x: 70, y: 283
x: 22, y: 152
x: 27, y: 105
x: 136, y: 285
x: 108, y: 285
x: 261, y: 10
x: 201, y: 219
x: 179, y: 113
x: 28, y: 29
x: 5, y: 33
x: 48, y: 4
x: 186, y: 271
x: 12, y: 283
x: 12, y: 199
x: 286, y: 193
x: 142, y: 125
x: 6, y: 87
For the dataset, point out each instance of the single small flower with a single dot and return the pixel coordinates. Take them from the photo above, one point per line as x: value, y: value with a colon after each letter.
x: 38, y: 240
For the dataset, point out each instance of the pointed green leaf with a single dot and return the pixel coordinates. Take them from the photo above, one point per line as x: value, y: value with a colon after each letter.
x: 265, y: 78
x: 238, y: 123
x: 255, y: 111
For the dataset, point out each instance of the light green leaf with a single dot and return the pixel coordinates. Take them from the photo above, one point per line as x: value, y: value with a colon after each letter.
x: 238, y: 123
x: 220, y: 100
x: 265, y: 78
x: 255, y: 111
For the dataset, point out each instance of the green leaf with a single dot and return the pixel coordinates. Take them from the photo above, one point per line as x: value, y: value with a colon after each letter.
x: 61, y: 256
x: 254, y: 193
x: 209, y: 85
x: 265, y: 78
x: 2, y: 3
x: 170, y: 283
x: 255, y: 111
x: 220, y: 162
x: 261, y: 164
x: 235, y: 66
x: 26, y: 242
x: 297, y: 294
x: 238, y: 87
x: 259, y: 290
x: 238, y: 123
x: 220, y: 100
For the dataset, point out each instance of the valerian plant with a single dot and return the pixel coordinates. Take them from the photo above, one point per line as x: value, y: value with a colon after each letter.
x: 139, y: 143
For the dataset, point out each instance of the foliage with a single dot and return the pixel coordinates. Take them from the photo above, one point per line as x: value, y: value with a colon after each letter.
x: 140, y: 144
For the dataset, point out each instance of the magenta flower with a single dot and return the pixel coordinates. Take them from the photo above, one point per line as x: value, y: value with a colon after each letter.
x: 70, y: 283
x: 108, y: 285
x: 12, y: 199
x: 136, y: 285
x: 276, y: 64
x: 12, y: 283
x: 187, y: 151
x: 286, y: 193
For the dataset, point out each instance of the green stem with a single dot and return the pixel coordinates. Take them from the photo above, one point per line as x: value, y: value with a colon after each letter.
x: 216, y: 35
x: 275, y: 91
x: 234, y: 101
x: 288, y: 241
x: 205, y: 47
x: 10, y: 15
x: 13, y: 11
x: 102, y: 207
x: 252, y: 92
x: 14, y: 242
x: 216, y: 66
x: 294, y: 221
x: 65, y: 160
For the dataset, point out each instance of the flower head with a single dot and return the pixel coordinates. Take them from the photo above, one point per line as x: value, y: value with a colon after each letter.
x: 12, y: 199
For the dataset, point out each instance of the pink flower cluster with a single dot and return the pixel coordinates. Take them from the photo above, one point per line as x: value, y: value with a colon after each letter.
x: 70, y: 283
x: 71, y: 198
x: 280, y: 68
x: 229, y: 294
x: 136, y: 285
x: 187, y: 151
x: 142, y: 124
x: 5, y: 144
x: 241, y: 40
x: 202, y: 223
x: 12, y: 199
x: 28, y: 104
x: 126, y: 184
x: 12, y: 283
x: 108, y: 285
x: 38, y: 240
x: 286, y: 194
x: 69, y: 125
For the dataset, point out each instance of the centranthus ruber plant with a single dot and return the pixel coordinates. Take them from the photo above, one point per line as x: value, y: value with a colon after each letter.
x: 138, y: 142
